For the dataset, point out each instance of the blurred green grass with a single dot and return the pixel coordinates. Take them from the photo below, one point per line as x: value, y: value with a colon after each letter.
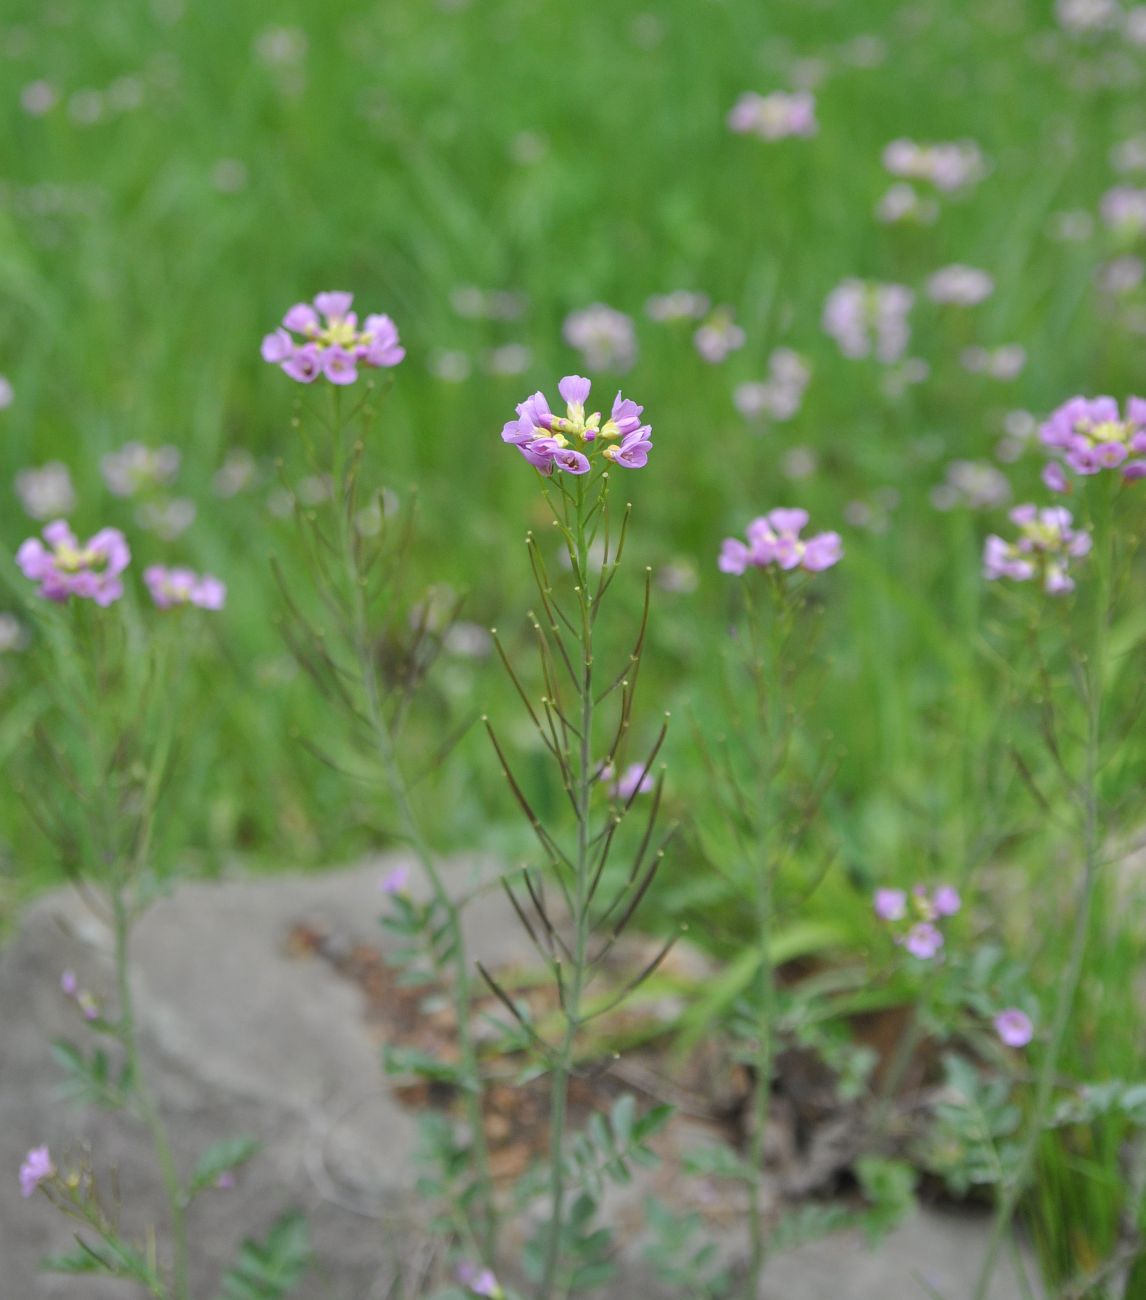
x: 572, y: 156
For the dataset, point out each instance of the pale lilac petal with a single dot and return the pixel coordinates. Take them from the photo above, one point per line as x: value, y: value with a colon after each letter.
x: 302, y: 318
x: 278, y: 347
x: 334, y: 305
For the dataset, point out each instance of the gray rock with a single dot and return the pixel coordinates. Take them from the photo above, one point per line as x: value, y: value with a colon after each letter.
x: 240, y: 1037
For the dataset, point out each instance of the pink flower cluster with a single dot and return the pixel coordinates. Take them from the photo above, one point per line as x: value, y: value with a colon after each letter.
x: 332, y: 344
x: 774, y: 541
x: 775, y: 116
x: 92, y: 571
x: 1046, y: 544
x: 173, y: 587
x: 1092, y: 434
x: 867, y: 318
x: 544, y: 438
x: 915, y: 916
x: 64, y: 568
x: 949, y: 167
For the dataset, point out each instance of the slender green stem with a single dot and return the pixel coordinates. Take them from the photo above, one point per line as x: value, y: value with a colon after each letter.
x: 385, y: 740
x: 762, y: 1085
x: 574, y: 984
x: 1094, y: 668
x: 765, y: 668
x: 145, y: 1104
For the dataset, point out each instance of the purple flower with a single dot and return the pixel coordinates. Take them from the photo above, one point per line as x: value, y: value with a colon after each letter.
x: 90, y: 572
x: 278, y: 347
x: 734, y: 557
x: 775, y: 116
x: 890, y: 904
x: 479, y: 1281
x: 633, y: 453
x: 378, y: 343
x: 946, y: 901
x: 339, y: 366
x: 1014, y: 1027
x: 305, y: 364
x: 332, y: 344
x: 544, y: 437
x: 69, y: 985
x: 914, y: 916
x: 624, y: 419
x: 1046, y: 544
x: 1092, y: 434
x: 774, y: 540
x: 923, y: 940
x: 335, y: 306
x: 226, y: 1181
x: 172, y: 587
x: 395, y: 880
x: 571, y: 461
x: 634, y: 780
x: 36, y: 1168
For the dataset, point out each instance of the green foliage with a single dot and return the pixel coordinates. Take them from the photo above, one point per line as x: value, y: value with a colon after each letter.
x: 973, y: 1143
x: 92, y: 1077
x: 607, y: 1147
x: 273, y: 1267
x: 411, y: 1061
x: 112, y: 1257
x: 683, y: 1255
x: 221, y: 1158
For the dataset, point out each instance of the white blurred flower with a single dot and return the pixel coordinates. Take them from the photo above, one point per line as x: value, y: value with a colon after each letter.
x: 977, y: 485
x: 604, y: 336
x: 799, y: 463
x: 46, y: 492
x: 961, y: 286
x: 719, y: 336
x: 38, y: 98
x: 235, y: 475
x: 166, y: 519
x: 680, y: 304
x: 12, y: 634
x: 903, y: 203
x: 452, y: 367
x: 135, y: 468
x: 509, y: 359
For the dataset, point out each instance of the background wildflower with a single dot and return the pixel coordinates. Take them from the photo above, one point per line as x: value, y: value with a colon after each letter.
x: 46, y: 492
x: 1014, y: 1027
x: 604, y: 336
x: 64, y: 568
x: 170, y: 588
x: 1046, y: 545
x: 775, y: 116
x: 869, y: 319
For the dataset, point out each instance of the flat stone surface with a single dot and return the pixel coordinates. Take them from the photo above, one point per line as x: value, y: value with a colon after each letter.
x: 240, y: 1037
